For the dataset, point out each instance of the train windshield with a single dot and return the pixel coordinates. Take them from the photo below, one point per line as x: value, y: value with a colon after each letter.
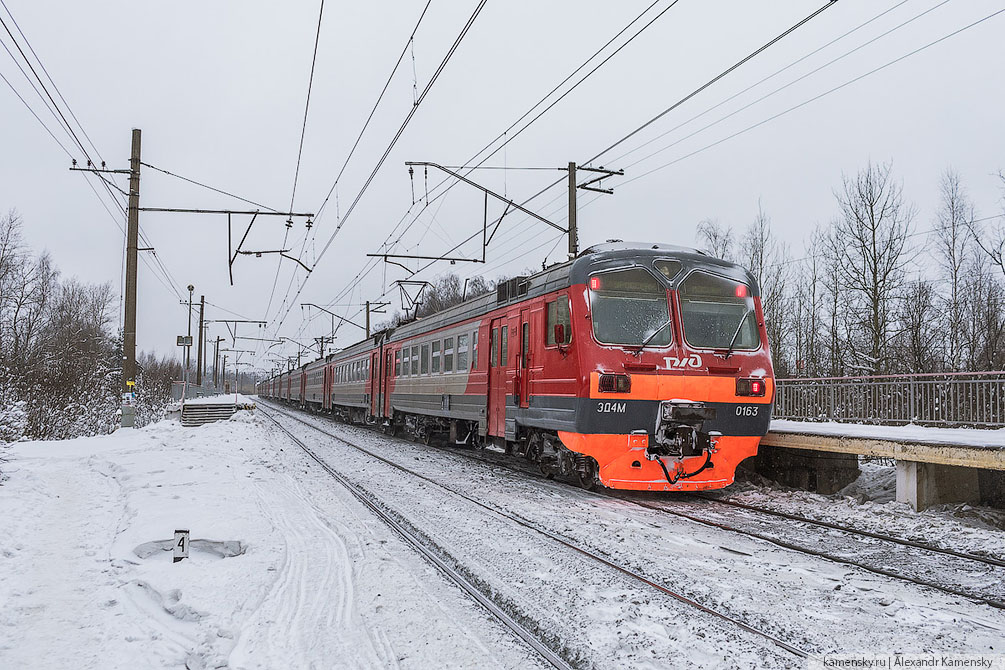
x: 629, y: 308
x: 717, y: 313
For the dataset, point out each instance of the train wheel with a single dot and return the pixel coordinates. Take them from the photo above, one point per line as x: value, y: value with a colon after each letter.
x: 535, y: 447
x: 586, y: 474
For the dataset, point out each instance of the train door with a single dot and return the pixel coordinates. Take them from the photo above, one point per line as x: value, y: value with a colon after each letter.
x: 388, y: 373
x: 326, y: 389
x: 523, y: 360
x: 498, y: 340
x: 374, y: 382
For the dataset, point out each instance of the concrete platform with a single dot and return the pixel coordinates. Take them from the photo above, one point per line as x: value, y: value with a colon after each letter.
x: 934, y: 465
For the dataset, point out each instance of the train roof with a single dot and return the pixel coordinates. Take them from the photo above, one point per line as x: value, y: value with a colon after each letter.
x: 609, y: 254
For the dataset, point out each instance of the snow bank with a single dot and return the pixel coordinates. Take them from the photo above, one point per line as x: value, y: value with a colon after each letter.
x: 284, y: 570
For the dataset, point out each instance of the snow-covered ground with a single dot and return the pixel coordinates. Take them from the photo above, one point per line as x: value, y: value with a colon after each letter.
x: 869, y: 503
x: 288, y: 570
x: 820, y: 606
x: 316, y: 581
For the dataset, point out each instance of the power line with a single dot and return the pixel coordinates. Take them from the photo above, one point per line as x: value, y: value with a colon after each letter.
x: 206, y: 186
x: 379, y: 98
x: 505, y: 134
x: 692, y: 94
x: 34, y: 72
x: 774, y: 92
x: 509, y: 138
x: 307, y: 105
x: 28, y: 107
x: 394, y: 140
x: 767, y: 78
x: 352, y: 151
x: 51, y: 81
x: 817, y: 97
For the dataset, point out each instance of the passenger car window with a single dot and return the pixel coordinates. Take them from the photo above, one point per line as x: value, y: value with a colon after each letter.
x: 448, y: 354
x: 462, y: 353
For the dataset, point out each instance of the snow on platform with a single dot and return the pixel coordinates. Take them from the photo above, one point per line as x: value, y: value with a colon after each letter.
x: 286, y: 570
x: 967, y: 437
x: 222, y: 399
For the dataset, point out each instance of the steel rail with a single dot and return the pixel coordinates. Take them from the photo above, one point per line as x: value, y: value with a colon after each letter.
x: 537, y: 645
x: 855, y: 531
x: 563, y: 541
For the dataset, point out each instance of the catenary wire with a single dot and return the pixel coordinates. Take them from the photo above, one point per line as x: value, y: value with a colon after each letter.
x: 530, y: 110
x: 464, y: 31
x: 307, y: 104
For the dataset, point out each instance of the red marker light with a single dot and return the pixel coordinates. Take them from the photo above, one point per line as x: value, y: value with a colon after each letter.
x: 594, y: 283
x: 756, y: 388
x: 741, y: 291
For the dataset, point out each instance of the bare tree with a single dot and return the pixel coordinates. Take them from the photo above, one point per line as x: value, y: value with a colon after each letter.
x: 715, y: 238
x: 918, y: 341
x: 767, y: 260
x: 954, y: 220
x: 870, y: 239
x: 991, y: 238
x: 808, y: 312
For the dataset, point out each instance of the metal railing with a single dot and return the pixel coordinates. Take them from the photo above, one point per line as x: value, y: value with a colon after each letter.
x: 942, y: 399
x: 193, y: 391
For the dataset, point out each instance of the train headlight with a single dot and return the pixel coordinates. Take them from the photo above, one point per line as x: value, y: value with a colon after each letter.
x: 750, y: 387
x: 615, y: 383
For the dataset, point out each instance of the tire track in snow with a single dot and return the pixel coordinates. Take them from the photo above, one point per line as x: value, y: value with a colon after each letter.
x: 310, y: 611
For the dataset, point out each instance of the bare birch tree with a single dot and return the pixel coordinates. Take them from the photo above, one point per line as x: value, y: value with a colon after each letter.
x: 715, y: 238
x: 954, y: 220
x: 870, y: 238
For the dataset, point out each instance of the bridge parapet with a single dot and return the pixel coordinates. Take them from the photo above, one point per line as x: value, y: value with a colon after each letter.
x: 951, y: 399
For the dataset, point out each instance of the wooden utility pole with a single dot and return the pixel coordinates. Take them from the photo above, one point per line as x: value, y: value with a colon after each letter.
x: 216, y: 361
x: 198, y: 370
x: 132, y: 238
x: 573, y: 234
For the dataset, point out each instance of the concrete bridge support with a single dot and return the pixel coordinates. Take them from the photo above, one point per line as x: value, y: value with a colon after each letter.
x: 922, y: 485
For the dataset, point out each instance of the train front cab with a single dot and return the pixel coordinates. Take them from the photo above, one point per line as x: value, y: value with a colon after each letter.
x: 676, y: 384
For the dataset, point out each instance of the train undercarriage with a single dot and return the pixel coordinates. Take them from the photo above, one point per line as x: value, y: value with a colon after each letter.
x: 542, y: 447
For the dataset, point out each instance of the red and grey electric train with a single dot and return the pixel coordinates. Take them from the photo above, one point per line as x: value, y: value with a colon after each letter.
x: 633, y: 366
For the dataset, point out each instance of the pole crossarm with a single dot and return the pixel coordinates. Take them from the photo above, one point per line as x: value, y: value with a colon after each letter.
x: 264, y: 323
x: 586, y: 185
x: 487, y: 191
x: 281, y: 252
x: 333, y: 314
x: 236, y: 212
x: 96, y: 170
x: 427, y: 258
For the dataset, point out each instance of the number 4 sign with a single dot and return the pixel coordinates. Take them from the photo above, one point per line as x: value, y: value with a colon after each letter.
x: 180, y: 545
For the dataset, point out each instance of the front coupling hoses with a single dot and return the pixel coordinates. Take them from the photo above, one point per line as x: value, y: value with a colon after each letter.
x: 679, y: 473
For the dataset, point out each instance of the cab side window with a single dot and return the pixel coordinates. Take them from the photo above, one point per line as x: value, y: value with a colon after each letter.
x: 557, y: 313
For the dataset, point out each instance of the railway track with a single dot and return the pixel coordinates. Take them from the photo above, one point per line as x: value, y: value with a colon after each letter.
x: 416, y: 543
x: 552, y: 536
x: 675, y: 508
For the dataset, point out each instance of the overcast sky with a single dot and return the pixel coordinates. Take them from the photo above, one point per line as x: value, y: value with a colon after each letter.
x: 218, y: 89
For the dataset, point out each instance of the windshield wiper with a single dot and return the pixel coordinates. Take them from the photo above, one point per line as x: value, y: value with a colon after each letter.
x: 654, y: 334
x: 739, y: 327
